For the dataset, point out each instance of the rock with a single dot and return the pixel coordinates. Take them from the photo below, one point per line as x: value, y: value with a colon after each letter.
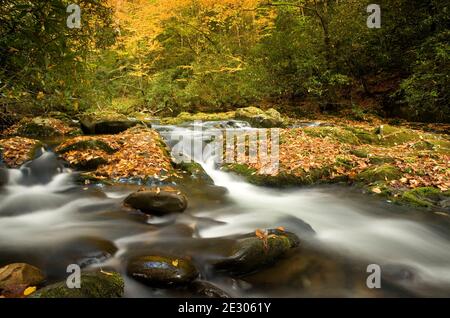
x: 93, y: 285
x: 43, y: 127
x: 43, y: 168
x: 105, y: 124
x: 252, y: 253
x: 20, y: 274
x: 157, y: 202
x: 204, y: 289
x: 3, y: 176
x: 196, y: 171
x: 85, y: 144
x: 426, y: 197
x: 160, y: 271
x: 259, y: 118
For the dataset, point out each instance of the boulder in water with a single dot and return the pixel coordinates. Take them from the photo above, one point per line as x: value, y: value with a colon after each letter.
x: 43, y: 168
x: 260, y: 118
x: 20, y: 276
x: 93, y: 285
x: 203, y: 289
x: 160, y: 271
x: 106, y: 124
x: 196, y: 171
x: 157, y: 202
x: 3, y: 176
x: 254, y: 251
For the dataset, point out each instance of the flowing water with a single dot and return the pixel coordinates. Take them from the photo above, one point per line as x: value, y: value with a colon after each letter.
x: 49, y: 220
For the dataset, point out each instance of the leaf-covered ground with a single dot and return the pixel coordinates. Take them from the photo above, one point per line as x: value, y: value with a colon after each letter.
x: 385, y: 158
x: 17, y: 150
x: 41, y: 127
x: 135, y: 153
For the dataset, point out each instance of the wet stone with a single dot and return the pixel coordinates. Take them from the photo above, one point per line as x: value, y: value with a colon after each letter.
x: 161, y: 271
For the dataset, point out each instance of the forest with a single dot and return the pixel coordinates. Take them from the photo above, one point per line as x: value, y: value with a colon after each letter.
x: 224, y: 149
x: 166, y: 57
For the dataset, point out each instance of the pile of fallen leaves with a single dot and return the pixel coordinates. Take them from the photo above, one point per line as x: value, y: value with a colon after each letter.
x: 135, y: 153
x: 17, y: 150
x: 302, y: 154
x: 57, y: 126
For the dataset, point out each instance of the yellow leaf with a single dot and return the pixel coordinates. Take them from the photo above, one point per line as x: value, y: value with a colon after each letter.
x: 105, y: 273
x: 376, y: 190
x: 29, y: 291
x: 175, y: 263
x: 40, y: 95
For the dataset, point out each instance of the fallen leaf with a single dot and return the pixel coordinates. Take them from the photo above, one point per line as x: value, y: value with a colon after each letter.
x: 376, y: 190
x: 29, y: 291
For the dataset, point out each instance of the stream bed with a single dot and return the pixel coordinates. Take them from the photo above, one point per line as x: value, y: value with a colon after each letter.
x: 50, y: 221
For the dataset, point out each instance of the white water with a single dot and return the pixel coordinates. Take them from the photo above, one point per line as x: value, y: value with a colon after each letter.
x: 342, y: 222
x: 38, y: 213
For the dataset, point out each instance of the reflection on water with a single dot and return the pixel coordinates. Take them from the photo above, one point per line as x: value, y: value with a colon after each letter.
x: 48, y: 220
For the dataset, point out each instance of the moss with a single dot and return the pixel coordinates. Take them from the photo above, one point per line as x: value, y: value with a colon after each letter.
x: 260, y: 118
x: 342, y: 135
x: 188, y: 117
x: 380, y: 173
x: 391, y: 136
x: 283, y: 179
x: 364, y: 136
x: 380, y: 160
x: 93, y: 285
x: 361, y: 153
x: 424, y: 197
x: 38, y: 127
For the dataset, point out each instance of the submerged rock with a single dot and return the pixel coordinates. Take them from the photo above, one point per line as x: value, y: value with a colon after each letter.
x: 3, y: 176
x: 93, y: 285
x: 43, y: 168
x: 204, y: 289
x: 105, y: 124
x: 157, y: 202
x: 196, y: 171
x: 253, y: 252
x: 20, y: 275
x: 260, y: 118
x: 160, y: 271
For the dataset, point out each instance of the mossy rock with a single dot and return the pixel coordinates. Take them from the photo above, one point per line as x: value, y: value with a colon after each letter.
x: 260, y: 118
x: 184, y: 117
x: 375, y: 160
x: 282, y: 179
x: 360, y: 153
x: 425, y: 197
x: 391, y: 136
x: 105, y: 123
x: 384, y: 172
x: 440, y: 146
x: 93, y: 285
x: 196, y: 171
x: 88, y: 144
x: 42, y: 127
x: 162, y: 271
x: 337, y: 133
x: 252, y: 253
